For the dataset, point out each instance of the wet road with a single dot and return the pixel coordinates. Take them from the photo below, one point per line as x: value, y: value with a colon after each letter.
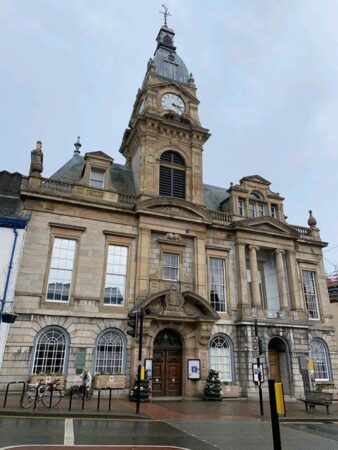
x: 193, y: 435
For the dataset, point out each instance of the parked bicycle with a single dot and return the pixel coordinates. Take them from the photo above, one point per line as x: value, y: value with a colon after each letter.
x: 48, y: 394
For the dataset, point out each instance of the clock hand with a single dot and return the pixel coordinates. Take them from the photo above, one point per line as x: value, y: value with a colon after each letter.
x: 177, y: 106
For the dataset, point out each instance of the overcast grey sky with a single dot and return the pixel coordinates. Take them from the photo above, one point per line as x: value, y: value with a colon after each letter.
x: 266, y: 72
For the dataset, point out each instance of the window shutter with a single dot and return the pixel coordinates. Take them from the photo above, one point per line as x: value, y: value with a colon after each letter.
x: 178, y: 183
x: 172, y: 180
x: 165, y: 181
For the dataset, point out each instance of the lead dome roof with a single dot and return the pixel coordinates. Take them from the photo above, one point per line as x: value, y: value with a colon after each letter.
x: 167, y: 62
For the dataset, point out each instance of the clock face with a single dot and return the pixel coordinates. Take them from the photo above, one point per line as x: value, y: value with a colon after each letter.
x: 173, y: 102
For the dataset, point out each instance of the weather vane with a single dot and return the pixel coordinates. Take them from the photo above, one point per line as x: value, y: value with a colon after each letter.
x: 165, y: 13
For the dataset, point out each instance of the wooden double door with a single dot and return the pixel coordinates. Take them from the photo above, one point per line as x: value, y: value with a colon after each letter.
x: 275, y: 373
x: 167, y: 372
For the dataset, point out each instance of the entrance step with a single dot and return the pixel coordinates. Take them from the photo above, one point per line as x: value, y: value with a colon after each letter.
x: 167, y: 399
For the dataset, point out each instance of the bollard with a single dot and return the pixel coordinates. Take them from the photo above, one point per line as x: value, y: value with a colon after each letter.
x: 98, y: 400
x: 51, y: 387
x: 70, y: 399
x: 83, y: 397
x: 36, y: 394
x: 279, y: 399
x: 109, y: 405
x: 7, y: 389
x: 274, y: 417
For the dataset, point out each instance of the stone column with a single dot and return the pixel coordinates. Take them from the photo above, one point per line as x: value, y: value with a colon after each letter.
x: 241, y: 275
x: 202, y: 288
x: 295, y: 293
x: 143, y: 249
x: 283, y: 298
x: 256, y: 297
x: 246, y: 212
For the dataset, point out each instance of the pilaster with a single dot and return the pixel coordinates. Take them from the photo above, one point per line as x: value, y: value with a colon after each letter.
x: 283, y: 298
x: 256, y: 298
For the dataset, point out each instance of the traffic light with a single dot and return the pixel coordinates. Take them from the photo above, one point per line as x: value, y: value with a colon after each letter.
x: 133, y: 324
x: 261, y: 346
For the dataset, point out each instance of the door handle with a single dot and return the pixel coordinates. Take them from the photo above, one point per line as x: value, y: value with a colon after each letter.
x: 173, y: 380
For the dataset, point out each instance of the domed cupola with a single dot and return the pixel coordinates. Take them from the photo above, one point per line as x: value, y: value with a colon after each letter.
x: 167, y: 62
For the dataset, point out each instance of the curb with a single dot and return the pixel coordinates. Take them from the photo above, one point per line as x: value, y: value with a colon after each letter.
x: 74, y: 415
x: 308, y: 419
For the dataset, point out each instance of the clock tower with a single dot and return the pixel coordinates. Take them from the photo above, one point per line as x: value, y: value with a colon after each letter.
x: 164, y: 141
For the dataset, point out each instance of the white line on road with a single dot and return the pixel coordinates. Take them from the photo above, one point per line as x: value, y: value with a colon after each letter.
x: 69, y: 432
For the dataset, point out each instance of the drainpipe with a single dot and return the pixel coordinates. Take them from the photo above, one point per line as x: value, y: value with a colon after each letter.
x: 10, y: 266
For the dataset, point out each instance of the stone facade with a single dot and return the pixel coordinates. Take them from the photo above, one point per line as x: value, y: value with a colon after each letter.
x: 203, y: 262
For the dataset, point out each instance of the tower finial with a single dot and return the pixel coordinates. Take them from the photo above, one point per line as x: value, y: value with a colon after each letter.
x: 165, y: 13
x: 312, y: 222
x: 77, y: 146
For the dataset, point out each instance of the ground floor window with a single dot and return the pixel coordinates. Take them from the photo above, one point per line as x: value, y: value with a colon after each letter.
x: 320, y: 356
x: 50, y: 351
x: 221, y: 357
x: 109, y: 353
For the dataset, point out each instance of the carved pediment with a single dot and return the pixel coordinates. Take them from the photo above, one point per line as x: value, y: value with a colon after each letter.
x: 174, y: 304
x: 173, y: 207
x: 266, y: 225
x: 98, y: 154
x: 175, y: 86
x: 255, y: 179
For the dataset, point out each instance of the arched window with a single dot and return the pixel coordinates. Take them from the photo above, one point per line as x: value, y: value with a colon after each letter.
x: 320, y: 356
x: 256, y: 208
x: 172, y: 175
x: 255, y: 195
x: 109, y: 353
x: 221, y: 357
x: 51, y: 349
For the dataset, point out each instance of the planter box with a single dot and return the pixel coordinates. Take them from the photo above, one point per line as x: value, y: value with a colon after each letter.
x: 116, y: 381
x: 231, y: 391
x: 49, y: 378
x: 324, y: 387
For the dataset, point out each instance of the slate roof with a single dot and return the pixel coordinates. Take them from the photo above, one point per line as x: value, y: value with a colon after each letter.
x: 71, y: 171
x: 213, y: 196
x: 121, y: 176
x: 123, y: 181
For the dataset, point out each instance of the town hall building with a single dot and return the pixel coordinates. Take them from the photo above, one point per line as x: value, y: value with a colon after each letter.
x: 204, y: 262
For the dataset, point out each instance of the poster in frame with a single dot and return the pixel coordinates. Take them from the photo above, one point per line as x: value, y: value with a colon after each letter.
x: 255, y: 372
x: 148, y: 367
x: 194, y: 369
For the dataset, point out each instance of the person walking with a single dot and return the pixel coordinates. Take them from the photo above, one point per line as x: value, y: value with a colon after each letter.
x: 86, y: 382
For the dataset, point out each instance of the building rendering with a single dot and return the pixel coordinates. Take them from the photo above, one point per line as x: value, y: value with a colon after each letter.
x: 204, y: 262
x: 13, y: 222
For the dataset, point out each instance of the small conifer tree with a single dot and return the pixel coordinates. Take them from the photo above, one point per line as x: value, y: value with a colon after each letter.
x: 212, y: 388
x: 144, y: 391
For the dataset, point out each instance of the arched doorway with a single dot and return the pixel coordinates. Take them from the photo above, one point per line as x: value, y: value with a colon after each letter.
x: 167, y: 365
x: 279, y: 363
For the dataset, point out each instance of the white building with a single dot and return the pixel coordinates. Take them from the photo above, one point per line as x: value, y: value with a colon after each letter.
x: 12, y: 231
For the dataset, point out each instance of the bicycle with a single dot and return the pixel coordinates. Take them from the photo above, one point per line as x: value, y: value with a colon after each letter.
x: 48, y: 394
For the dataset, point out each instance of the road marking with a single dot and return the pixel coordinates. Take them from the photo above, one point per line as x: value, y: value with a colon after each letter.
x: 69, y: 432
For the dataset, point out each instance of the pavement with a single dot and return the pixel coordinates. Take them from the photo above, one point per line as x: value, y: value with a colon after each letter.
x: 228, y: 409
